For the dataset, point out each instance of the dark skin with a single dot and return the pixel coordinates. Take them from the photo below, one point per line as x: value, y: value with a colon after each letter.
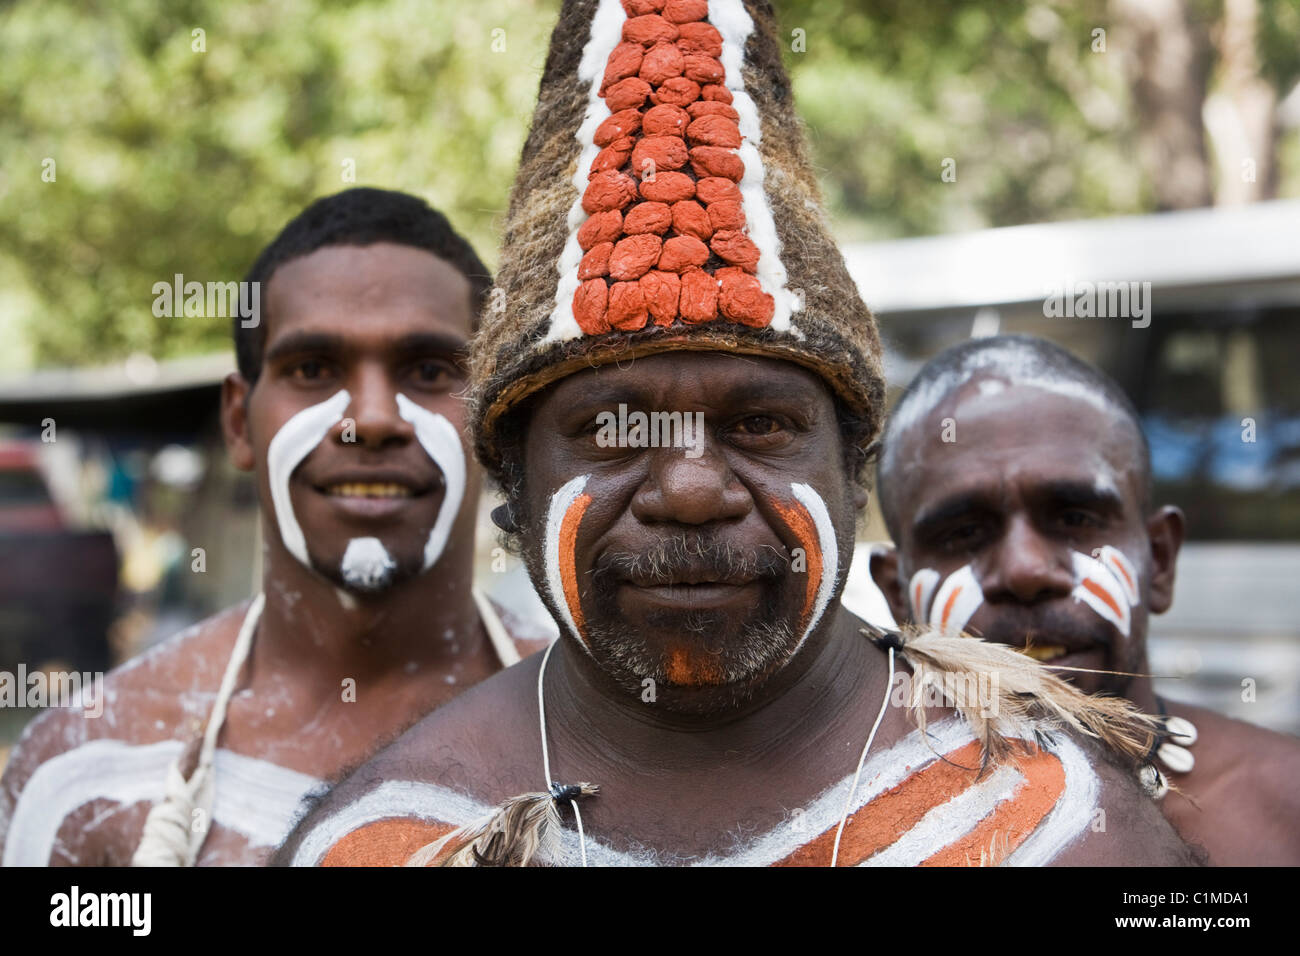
x: 686, y: 772
x: 376, y: 320
x: 1032, y: 476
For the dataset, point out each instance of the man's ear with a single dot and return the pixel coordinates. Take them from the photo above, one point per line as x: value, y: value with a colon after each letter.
x: 884, y: 571
x: 234, y: 421
x: 1165, y: 528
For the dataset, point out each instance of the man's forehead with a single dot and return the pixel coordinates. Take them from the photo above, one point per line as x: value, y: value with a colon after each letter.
x: 669, y: 377
x: 400, y: 289
x: 992, y: 433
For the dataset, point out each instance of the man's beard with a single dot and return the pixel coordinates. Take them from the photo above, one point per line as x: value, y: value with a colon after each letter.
x: 729, y: 653
x: 367, y: 568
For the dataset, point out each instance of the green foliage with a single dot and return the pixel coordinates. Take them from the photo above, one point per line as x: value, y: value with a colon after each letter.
x: 171, y: 160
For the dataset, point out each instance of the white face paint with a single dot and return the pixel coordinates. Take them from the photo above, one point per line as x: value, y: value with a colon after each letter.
x: 366, y: 564
x: 291, y: 444
x: 807, y: 496
x: 441, y: 442
x: 1103, y: 589
x: 956, y: 601
x: 561, y: 501
x: 919, y: 591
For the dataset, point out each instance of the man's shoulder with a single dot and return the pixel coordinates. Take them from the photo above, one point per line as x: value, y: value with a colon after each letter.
x: 147, y: 699
x: 1243, y: 793
x: 493, y: 724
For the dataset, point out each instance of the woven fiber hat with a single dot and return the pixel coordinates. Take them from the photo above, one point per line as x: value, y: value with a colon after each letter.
x: 664, y: 201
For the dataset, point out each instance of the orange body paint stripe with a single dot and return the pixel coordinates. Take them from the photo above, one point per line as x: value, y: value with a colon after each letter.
x: 1013, y: 819
x: 568, y: 559
x: 801, y: 524
x: 1102, y: 593
x: 384, y: 843
x: 886, y: 818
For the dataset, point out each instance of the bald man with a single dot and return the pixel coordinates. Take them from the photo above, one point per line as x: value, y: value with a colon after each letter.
x: 1016, y: 483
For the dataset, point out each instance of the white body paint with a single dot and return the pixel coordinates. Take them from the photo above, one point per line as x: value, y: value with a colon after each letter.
x: 367, y: 565
x: 968, y: 601
x: 807, y: 496
x: 441, y: 442
x: 939, y: 828
x: 292, y: 443
x: 255, y: 798
x: 919, y: 591
x: 1088, y: 567
x: 560, y: 503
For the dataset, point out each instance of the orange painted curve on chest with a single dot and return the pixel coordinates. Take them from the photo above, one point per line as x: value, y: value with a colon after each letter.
x: 892, y: 814
x: 384, y: 842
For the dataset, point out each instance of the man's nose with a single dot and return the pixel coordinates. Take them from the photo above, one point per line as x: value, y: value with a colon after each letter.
x: 1026, y: 567
x: 684, y: 490
x: 374, y: 415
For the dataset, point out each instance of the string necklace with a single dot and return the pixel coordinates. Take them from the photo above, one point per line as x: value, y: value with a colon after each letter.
x: 562, y: 793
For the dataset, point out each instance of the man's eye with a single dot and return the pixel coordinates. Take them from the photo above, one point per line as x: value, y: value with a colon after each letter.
x: 759, y: 425
x: 961, y: 536
x: 308, y: 369
x: 432, y: 371
x: 1079, y: 519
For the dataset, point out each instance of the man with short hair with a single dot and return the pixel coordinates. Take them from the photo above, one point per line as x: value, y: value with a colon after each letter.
x: 346, y: 408
x: 676, y: 393
x: 1016, y: 483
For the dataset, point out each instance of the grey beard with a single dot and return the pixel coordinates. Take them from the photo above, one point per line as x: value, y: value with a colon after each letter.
x: 760, y: 650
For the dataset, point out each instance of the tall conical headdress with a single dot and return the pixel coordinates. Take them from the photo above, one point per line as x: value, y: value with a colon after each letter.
x: 664, y: 201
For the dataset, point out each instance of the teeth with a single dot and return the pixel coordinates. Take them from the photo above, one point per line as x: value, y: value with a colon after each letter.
x: 1043, y: 652
x: 357, y: 489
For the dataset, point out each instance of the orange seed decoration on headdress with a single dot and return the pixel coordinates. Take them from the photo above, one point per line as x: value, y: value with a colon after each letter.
x: 663, y: 189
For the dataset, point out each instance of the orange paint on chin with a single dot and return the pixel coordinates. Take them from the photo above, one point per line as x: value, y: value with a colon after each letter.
x: 801, y: 525
x: 569, y: 560
x: 1105, y: 595
x: 688, y: 669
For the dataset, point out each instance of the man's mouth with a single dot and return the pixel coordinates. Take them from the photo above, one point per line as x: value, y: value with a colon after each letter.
x: 358, y: 489
x: 1044, y: 652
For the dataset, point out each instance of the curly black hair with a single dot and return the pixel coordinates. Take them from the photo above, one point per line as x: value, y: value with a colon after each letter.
x: 359, y: 217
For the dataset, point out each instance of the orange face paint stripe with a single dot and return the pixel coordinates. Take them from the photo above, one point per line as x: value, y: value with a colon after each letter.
x: 947, y: 607
x: 801, y: 525
x: 384, y: 842
x: 1104, y: 595
x: 568, y: 559
x: 1117, y: 566
x: 880, y: 822
x: 1015, y: 819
